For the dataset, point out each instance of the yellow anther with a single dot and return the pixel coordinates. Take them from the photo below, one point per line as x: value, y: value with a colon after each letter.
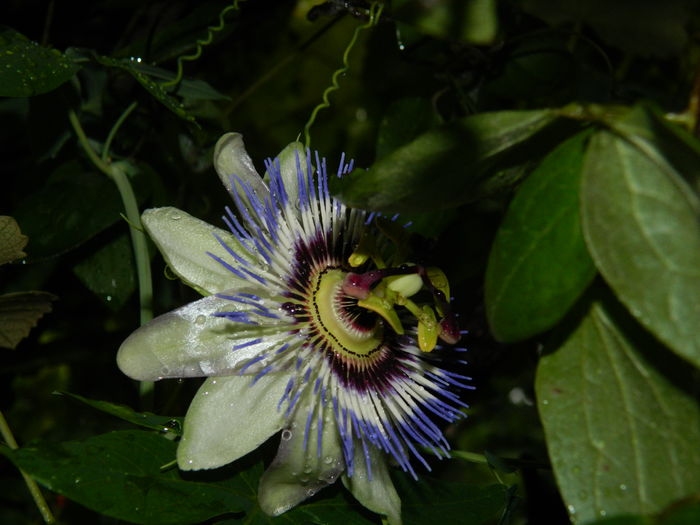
x: 439, y: 280
x: 357, y: 259
x: 428, y: 329
x: 385, y: 308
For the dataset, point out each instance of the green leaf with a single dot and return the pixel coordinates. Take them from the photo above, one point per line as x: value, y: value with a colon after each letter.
x: 109, y: 272
x: 539, y: 264
x: 620, y: 418
x: 154, y: 88
x: 12, y: 242
x: 28, y: 69
x: 341, y: 508
x: 457, y: 502
x: 163, y: 424
x: 682, y: 513
x: 119, y: 474
x: 647, y: 128
x: 71, y: 207
x: 678, y: 513
x: 448, y: 165
x: 191, y: 89
x: 644, y: 27
x: 19, y: 313
x: 640, y: 221
x: 404, y: 121
x: 472, y: 21
x: 625, y: 520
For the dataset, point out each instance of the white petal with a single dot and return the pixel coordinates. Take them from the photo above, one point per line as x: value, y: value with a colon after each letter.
x: 287, y: 159
x: 228, y: 418
x: 184, y: 242
x: 230, y: 158
x: 187, y: 342
x: 299, y: 472
x: 378, y: 493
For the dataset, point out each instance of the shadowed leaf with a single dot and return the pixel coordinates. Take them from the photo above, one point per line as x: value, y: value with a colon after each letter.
x: 12, y: 241
x: 19, y: 313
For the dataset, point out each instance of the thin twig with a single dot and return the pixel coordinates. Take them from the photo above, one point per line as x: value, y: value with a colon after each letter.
x: 116, y: 172
x: 34, y: 489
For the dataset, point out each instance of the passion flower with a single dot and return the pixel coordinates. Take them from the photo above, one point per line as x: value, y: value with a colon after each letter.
x: 309, y: 327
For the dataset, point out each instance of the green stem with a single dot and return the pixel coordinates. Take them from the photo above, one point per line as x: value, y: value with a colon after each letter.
x: 472, y: 457
x: 116, y: 172
x: 115, y: 128
x: 34, y: 489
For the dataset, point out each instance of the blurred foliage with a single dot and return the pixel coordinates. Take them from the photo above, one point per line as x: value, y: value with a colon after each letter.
x: 545, y: 152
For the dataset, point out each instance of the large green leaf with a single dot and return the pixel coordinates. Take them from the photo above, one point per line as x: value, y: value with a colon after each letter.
x: 109, y: 272
x: 679, y: 513
x: 640, y: 221
x: 163, y: 424
x: 620, y: 417
x: 649, y: 130
x: 455, y: 502
x: 27, y: 69
x: 445, y: 166
x: 341, y: 508
x: 119, y: 474
x: 72, y: 206
x: 539, y: 264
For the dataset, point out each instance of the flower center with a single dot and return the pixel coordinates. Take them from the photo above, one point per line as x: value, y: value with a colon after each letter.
x: 351, y: 330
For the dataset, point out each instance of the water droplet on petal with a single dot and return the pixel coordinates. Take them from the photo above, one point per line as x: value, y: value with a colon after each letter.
x: 286, y: 435
x: 200, y: 320
x: 328, y: 460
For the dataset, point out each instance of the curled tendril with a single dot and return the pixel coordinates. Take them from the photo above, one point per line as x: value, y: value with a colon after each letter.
x: 211, y: 30
x: 375, y: 12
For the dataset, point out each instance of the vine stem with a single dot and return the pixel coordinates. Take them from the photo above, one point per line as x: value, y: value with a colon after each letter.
x: 375, y: 11
x: 34, y: 489
x: 200, y: 44
x: 117, y: 173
